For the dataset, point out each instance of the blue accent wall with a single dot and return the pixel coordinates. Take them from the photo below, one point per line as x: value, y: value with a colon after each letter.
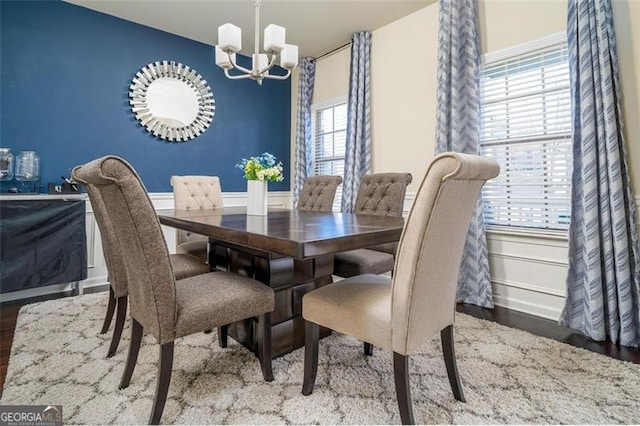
x: 66, y: 72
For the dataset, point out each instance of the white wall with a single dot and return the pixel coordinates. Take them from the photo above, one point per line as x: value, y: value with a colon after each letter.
x: 404, y: 61
x: 528, y: 270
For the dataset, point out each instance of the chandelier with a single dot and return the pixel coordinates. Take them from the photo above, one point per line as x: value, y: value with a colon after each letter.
x: 230, y: 42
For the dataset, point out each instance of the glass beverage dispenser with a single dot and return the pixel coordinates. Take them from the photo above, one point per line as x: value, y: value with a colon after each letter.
x: 6, y: 164
x: 28, y: 170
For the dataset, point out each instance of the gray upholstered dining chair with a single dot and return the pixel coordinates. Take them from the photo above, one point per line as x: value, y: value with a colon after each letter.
x: 183, y: 265
x: 380, y: 194
x: 318, y: 193
x: 194, y: 193
x: 400, y: 314
x: 166, y: 308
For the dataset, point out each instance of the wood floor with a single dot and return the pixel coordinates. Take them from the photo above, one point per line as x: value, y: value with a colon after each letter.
x: 539, y: 326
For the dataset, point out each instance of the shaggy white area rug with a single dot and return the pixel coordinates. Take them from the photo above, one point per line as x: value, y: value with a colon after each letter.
x: 508, y: 376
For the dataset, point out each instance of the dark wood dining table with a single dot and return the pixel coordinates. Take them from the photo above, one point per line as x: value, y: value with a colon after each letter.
x: 289, y: 250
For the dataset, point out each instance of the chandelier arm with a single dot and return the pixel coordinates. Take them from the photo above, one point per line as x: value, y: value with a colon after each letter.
x: 278, y: 77
x: 239, y: 67
x: 236, y: 77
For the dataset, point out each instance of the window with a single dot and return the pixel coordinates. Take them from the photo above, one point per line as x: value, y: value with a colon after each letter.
x: 330, y: 138
x: 525, y: 126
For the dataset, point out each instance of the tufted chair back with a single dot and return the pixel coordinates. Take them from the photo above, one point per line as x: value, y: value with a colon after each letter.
x: 382, y: 194
x: 195, y: 193
x: 318, y: 193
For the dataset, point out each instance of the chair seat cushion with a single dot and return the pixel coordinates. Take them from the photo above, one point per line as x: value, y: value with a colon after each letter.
x: 218, y: 298
x: 358, y: 306
x: 362, y: 261
x: 185, y: 266
x: 197, y: 248
x: 391, y: 248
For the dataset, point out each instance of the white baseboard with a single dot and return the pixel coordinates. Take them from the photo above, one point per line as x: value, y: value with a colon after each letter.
x: 527, y: 307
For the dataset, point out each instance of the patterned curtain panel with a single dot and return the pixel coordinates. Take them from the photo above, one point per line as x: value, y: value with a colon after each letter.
x: 603, y: 282
x: 358, y: 147
x: 304, y: 150
x: 457, y: 129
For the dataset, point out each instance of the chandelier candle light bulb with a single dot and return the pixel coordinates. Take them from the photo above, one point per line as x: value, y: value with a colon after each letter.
x: 230, y: 42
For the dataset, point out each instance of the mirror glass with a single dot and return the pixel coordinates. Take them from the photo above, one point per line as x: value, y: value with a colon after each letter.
x: 172, y: 101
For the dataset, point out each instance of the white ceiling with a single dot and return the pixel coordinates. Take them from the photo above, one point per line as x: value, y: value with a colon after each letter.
x: 316, y: 26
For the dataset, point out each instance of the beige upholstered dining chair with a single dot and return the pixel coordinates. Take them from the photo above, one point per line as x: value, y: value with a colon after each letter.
x: 380, y: 194
x: 183, y: 265
x: 402, y: 313
x: 194, y: 193
x: 318, y: 193
x: 166, y: 308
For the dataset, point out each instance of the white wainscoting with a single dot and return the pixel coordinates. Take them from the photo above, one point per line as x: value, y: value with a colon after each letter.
x: 528, y: 272
x: 96, y: 266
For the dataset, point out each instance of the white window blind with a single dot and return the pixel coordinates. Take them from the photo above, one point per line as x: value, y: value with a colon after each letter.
x: 330, y: 137
x: 526, y: 127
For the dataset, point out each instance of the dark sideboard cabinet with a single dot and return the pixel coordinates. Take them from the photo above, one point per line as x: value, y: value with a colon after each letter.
x: 42, y: 241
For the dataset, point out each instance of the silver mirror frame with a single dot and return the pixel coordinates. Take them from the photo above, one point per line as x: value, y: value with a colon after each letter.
x: 171, y: 69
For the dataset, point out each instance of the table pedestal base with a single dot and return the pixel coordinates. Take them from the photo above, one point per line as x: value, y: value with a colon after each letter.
x: 290, y: 279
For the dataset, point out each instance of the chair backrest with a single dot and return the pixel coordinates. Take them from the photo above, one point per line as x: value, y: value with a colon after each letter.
x: 110, y: 245
x: 382, y: 194
x: 194, y: 193
x: 318, y: 193
x: 137, y: 228
x: 428, y: 260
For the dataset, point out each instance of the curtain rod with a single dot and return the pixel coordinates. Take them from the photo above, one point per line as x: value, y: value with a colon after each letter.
x: 336, y: 50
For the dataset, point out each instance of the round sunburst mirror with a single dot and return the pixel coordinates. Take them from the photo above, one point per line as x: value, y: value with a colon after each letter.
x: 172, y: 101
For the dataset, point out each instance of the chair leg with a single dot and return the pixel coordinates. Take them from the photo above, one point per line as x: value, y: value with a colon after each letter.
x: 403, y: 392
x: 368, y: 349
x: 110, y: 308
x: 264, y: 345
x: 223, y: 331
x: 134, y: 348
x: 121, y: 315
x: 164, y: 378
x: 311, y: 337
x: 448, y: 350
